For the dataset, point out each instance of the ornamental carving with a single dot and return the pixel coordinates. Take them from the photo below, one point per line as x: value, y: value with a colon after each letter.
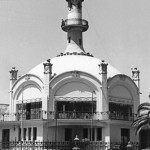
x: 103, y: 67
x: 75, y: 74
x: 13, y: 74
x: 47, y: 67
x: 135, y: 74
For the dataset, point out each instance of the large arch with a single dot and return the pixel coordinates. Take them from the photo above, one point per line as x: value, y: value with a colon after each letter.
x: 22, y: 87
x: 88, y: 83
x: 122, y: 89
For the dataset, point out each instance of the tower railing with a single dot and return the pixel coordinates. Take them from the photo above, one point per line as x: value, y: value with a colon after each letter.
x: 83, y: 24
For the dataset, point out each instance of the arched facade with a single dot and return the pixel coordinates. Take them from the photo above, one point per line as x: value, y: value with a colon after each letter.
x: 72, y: 94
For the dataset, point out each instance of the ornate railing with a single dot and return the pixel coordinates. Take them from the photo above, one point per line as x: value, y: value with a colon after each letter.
x: 122, y: 116
x: 32, y: 145
x: 67, y: 115
x: 83, y: 24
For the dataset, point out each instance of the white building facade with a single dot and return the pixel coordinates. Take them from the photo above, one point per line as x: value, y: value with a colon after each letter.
x: 72, y: 94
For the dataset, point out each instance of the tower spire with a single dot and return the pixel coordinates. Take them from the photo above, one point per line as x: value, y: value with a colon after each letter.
x: 74, y: 25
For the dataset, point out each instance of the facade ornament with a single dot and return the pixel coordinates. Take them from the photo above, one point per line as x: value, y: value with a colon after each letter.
x: 47, y: 67
x: 13, y: 74
x: 75, y: 74
x: 135, y: 74
x: 103, y: 67
x: 27, y: 77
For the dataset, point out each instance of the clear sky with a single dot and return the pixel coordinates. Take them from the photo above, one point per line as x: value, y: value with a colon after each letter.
x: 30, y: 33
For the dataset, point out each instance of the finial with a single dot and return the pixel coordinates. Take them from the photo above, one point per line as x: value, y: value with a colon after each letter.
x: 103, y: 67
x: 13, y: 74
x: 135, y: 74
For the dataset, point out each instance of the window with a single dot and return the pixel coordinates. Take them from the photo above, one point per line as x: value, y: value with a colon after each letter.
x: 85, y: 133
x: 69, y: 39
x: 29, y: 133
x: 24, y: 133
x: 34, y: 133
x: 80, y: 41
x: 99, y: 134
x: 30, y: 110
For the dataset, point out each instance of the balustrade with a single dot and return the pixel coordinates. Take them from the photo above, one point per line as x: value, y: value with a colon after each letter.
x: 67, y: 115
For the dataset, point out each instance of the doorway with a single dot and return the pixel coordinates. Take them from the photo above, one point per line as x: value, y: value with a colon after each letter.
x: 5, y: 138
x: 68, y: 134
x: 125, y: 136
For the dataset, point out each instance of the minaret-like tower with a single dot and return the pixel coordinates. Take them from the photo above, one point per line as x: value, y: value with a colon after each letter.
x: 74, y: 26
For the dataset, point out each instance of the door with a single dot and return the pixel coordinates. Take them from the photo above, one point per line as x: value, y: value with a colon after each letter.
x: 5, y: 138
x: 125, y: 136
x: 68, y: 134
x: 28, y: 111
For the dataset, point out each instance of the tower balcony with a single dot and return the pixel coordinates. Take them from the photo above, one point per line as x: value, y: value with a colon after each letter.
x: 74, y: 23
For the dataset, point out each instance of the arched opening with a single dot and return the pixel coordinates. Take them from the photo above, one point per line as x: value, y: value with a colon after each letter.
x: 75, y: 100
x: 29, y: 103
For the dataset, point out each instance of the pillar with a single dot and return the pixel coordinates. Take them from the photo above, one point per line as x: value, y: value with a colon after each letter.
x: 13, y: 78
x: 46, y: 93
x: 103, y: 73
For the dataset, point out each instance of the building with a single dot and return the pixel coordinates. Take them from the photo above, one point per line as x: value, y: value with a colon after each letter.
x: 72, y: 94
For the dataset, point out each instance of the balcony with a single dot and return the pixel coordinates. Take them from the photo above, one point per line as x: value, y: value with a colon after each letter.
x: 74, y: 22
x: 67, y: 115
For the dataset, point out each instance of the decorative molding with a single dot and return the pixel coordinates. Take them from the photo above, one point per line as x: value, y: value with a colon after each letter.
x: 120, y: 100
x: 75, y: 74
x: 80, y: 99
x: 29, y: 100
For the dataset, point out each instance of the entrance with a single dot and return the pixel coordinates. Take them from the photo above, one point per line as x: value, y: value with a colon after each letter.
x: 125, y: 136
x: 5, y: 138
x: 68, y: 134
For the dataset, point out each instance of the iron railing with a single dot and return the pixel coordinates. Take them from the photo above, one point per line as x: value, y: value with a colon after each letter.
x: 67, y: 115
x: 34, y: 145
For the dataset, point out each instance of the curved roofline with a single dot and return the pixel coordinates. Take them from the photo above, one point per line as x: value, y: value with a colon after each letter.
x: 57, y: 76
x: 24, y: 77
x: 109, y: 80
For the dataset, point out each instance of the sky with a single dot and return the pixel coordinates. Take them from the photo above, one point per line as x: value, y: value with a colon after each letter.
x: 119, y: 33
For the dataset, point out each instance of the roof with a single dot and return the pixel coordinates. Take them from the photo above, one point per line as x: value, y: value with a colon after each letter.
x: 68, y: 63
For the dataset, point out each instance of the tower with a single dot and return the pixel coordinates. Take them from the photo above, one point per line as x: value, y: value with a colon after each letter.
x: 74, y: 25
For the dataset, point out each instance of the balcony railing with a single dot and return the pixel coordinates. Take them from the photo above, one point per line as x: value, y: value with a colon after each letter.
x: 67, y: 115
x: 121, y: 116
x: 74, y: 22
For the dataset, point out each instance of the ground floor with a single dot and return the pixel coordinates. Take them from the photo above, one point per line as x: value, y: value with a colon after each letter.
x: 67, y: 130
